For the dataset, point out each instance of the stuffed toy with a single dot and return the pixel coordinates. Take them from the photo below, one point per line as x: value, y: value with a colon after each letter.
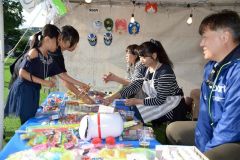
x: 101, y: 125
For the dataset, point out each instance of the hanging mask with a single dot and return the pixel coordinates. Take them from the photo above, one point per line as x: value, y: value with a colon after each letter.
x: 121, y: 26
x: 133, y: 28
x: 107, y: 38
x: 97, y: 24
x: 151, y: 7
x: 92, y: 39
x: 108, y: 24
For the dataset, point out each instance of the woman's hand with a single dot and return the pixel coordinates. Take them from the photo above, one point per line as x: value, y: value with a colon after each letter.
x: 85, y: 87
x: 109, y: 77
x: 133, y: 101
x: 108, y: 100
x: 85, y: 98
x: 53, y: 79
x: 49, y: 83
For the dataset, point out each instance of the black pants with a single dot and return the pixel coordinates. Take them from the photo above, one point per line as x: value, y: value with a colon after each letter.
x: 179, y: 114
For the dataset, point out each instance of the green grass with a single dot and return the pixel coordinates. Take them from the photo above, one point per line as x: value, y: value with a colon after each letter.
x: 12, y: 123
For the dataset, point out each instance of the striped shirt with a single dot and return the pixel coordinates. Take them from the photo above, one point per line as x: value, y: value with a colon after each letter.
x: 164, y: 83
x: 131, y: 69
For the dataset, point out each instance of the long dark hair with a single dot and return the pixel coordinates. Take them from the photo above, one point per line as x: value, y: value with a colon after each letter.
x: 132, y: 48
x: 147, y: 49
x: 70, y: 34
x: 48, y: 30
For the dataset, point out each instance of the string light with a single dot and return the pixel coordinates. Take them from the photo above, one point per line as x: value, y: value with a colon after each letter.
x: 132, y: 20
x: 88, y: 1
x: 190, y: 20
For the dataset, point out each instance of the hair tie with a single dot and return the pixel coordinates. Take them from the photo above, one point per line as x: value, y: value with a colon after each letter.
x: 154, y: 42
x: 39, y: 37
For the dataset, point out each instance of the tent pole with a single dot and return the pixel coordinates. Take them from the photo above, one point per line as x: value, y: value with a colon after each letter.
x: 1, y: 73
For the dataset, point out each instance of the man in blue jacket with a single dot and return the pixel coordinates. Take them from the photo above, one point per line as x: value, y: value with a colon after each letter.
x: 217, y: 131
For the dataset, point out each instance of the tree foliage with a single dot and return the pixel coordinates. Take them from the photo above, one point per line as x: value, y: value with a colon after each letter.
x: 13, y: 17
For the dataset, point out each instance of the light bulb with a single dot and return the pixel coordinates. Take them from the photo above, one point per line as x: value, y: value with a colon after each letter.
x: 88, y: 1
x: 189, y: 20
x: 132, y: 20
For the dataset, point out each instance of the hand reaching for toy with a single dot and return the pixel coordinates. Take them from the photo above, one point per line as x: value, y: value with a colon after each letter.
x: 108, y: 100
x: 49, y: 83
x: 133, y: 101
x: 53, y: 79
x: 85, y: 98
x: 85, y: 87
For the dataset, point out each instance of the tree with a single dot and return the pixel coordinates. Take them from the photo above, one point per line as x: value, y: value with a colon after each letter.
x: 13, y: 18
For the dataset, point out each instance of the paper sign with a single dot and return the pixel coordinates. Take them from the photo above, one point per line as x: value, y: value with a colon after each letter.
x: 105, y: 109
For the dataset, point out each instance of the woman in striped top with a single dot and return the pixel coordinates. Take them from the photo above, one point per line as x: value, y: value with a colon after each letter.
x: 133, y: 62
x: 164, y: 101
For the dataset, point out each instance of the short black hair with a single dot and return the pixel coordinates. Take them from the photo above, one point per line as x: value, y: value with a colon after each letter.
x: 69, y: 33
x: 224, y: 19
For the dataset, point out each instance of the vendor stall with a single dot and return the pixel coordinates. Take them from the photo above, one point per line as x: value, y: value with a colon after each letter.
x: 48, y: 121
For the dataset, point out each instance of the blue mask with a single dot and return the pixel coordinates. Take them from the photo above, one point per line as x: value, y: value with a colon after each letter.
x: 133, y: 28
x: 107, y: 38
x: 92, y: 39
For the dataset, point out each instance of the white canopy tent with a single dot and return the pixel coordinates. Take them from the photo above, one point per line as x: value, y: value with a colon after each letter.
x: 168, y: 25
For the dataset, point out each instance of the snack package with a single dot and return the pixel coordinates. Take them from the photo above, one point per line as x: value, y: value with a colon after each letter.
x: 47, y: 154
x: 125, y: 154
x: 76, y: 107
x: 127, y: 115
x: 83, y: 98
x: 52, y: 105
x: 129, y: 135
x: 71, y: 118
x: 119, y: 105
